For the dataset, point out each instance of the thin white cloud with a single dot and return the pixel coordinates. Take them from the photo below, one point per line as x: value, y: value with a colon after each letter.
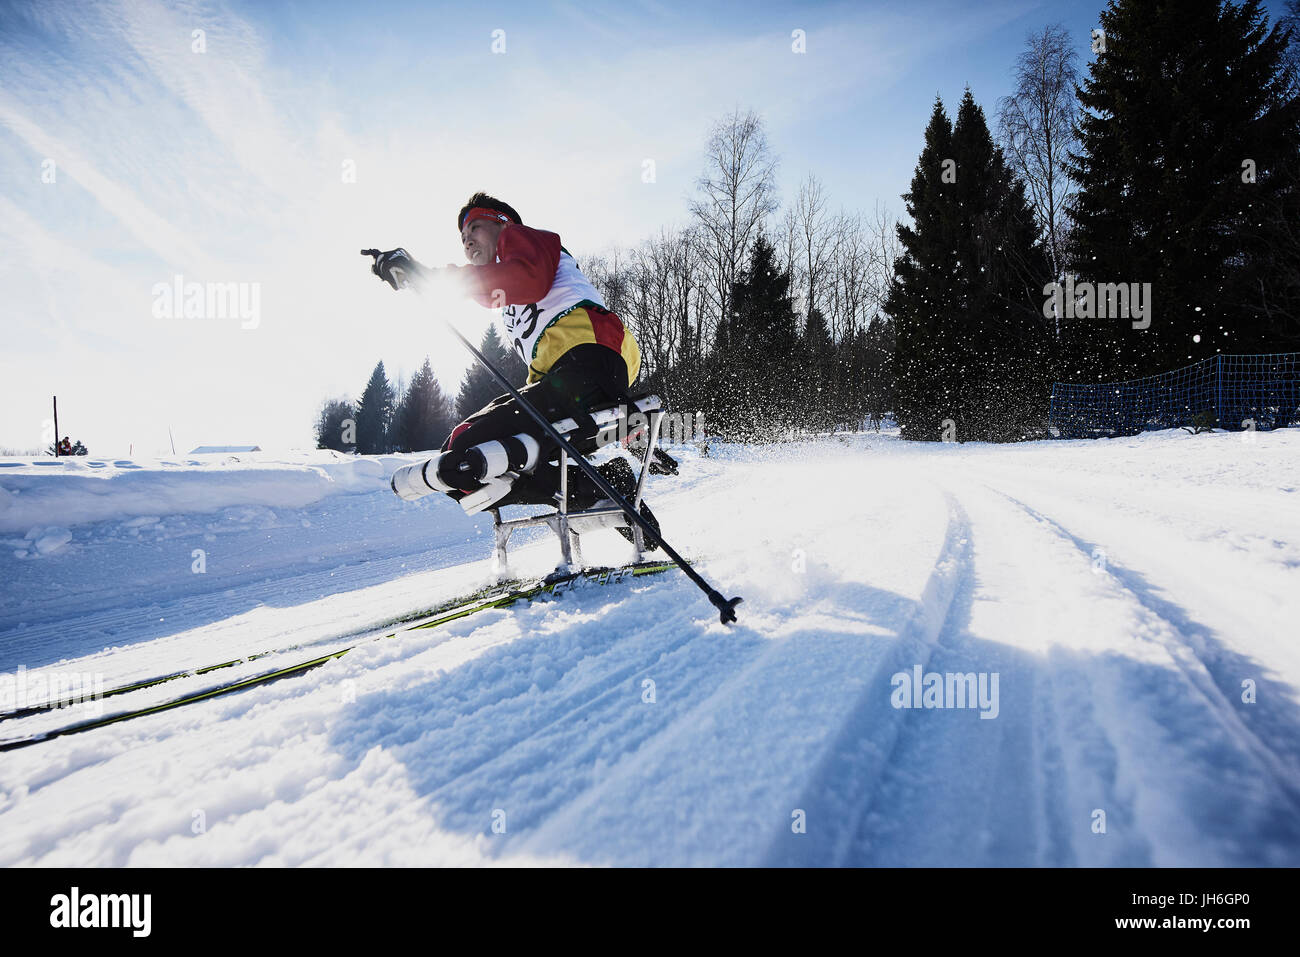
x: 221, y: 85
x: 150, y: 229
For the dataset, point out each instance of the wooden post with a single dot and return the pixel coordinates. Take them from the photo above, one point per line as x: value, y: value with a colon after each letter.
x: 56, y: 426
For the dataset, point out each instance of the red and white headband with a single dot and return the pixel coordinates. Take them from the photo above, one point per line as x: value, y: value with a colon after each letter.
x: 482, y: 212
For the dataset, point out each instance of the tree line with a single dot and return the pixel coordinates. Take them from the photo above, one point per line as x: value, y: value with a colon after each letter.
x: 1108, y: 226
x: 415, y: 417
x: 1138, y: 219
x: 766, y: 320
x: 1135, y: 222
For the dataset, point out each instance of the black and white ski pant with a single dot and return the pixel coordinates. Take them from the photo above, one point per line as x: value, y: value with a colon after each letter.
x: 587, y: 376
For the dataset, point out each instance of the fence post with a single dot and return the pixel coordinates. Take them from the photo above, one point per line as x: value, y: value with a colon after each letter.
x: 1218, y: 391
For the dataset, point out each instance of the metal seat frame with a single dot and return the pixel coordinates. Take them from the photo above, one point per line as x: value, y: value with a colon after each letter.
x: 569, y: 525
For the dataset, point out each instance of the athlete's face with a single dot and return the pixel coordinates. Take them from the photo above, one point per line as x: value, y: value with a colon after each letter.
x: 479, y: 237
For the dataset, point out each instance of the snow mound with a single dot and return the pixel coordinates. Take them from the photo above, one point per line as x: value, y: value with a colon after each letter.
x: 44, y: 492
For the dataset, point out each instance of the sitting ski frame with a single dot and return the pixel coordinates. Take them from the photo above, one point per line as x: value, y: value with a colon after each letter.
x: 566, y: 524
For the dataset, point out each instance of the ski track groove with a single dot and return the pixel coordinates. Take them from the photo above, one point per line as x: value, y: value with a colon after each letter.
x: 1199, y: 674
x: 272, y: 659
x: 1044, y: 794
x: 577, y: 701
x: 601, y: 689
x: 848, y: 775
x: 874, y: 834
x: 1117, y: 757
x: 1051, y: 777
x: 1079, y: 772
x: 1048, y: 790
x: 160, y: 619
x: 267, y: 662
x: 248, y: 697
x: 1112, y: 762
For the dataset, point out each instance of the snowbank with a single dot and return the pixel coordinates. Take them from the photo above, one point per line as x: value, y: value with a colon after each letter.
x: 81, y: 490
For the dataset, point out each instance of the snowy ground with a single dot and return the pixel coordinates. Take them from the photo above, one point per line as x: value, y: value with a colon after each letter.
x: 1137, y: 600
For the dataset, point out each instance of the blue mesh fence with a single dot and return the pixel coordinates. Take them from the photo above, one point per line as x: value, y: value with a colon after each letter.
x: 1226, y: 392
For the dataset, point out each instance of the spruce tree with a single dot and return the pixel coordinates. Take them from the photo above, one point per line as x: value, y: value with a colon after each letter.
x: 425, y: 416
x: 374, y: 413
x: 1001, y: 340
x: 396, y: 427
x: 871, y: 359
x: 331, y: 426
x: 970, y: 340
x: 759, y: 364
x: 478, y: 388
x: 1183, y: 102
x: 925, y: 290
x: 818, y: 398
x: 1271, y: 231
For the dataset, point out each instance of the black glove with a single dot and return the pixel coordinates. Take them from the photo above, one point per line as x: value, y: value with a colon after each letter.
x: 395, y: 267
x: 663, y: 464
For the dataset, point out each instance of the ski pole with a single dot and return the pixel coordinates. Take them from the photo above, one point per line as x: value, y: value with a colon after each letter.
x: 726, y: 606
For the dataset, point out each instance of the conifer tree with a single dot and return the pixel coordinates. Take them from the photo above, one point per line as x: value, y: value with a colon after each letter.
x: 758, y: 358
x: 425, y: 416
x: 925, y: 289
x: 478, y: 388
x: 331, y: 426
x: 1000, y: 335
x: 818, y: 397
x: 970, y: 351
x: 1185, y: 166
x: 374, y: 413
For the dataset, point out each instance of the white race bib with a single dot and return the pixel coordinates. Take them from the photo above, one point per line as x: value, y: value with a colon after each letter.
x: 523, y: 325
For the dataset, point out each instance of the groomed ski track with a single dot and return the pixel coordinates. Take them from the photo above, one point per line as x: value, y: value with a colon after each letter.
x: 1121, y: 591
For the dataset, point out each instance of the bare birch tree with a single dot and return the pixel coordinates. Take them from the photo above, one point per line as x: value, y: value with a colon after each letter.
x: 737, y: 194
x: 816, y: 235
x: 1037, y: 129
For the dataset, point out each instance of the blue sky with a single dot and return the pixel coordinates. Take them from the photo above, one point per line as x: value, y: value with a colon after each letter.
x: 225, y: 166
